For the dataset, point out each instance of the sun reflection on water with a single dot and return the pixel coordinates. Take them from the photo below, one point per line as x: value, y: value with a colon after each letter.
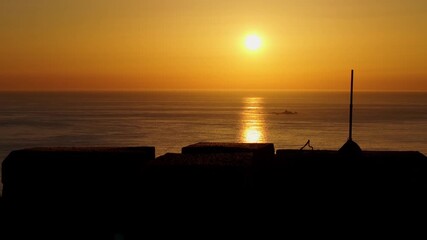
x: 253, y: 125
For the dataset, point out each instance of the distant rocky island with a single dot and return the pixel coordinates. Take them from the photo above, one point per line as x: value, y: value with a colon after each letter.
x: 285, y: 112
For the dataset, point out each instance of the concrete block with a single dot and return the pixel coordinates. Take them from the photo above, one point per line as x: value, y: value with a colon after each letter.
x: 73, y: 179
x: 260, y: 151
x: 200, y: 172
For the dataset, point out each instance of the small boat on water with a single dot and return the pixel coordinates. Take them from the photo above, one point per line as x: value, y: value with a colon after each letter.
x: 285, y: 112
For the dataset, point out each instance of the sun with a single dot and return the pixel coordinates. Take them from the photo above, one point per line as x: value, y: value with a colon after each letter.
x: 253, y: 42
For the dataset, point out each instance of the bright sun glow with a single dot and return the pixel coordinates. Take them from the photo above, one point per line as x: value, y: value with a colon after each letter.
x: 253, y: 42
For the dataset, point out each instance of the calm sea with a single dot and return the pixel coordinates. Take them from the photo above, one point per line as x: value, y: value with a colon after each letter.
x: 170, y: 120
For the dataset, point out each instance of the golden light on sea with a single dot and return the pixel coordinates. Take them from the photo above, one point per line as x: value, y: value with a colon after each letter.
x: 253, y: 125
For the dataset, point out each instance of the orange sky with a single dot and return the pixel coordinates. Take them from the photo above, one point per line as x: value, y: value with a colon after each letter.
x: 199, y: 44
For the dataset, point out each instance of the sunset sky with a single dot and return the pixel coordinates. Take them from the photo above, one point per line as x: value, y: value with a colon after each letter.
x: 199, y: 44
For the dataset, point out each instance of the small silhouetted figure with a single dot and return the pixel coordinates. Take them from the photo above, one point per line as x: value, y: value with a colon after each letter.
x: 307, y: 144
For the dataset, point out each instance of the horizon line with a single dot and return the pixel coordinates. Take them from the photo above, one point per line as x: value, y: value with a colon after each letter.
x: 206, y: 90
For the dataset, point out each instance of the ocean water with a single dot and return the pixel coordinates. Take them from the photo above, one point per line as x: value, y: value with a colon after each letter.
x: 170, y: 120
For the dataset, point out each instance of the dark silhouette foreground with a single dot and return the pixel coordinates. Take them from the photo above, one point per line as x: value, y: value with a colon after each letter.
x: 125, y: 193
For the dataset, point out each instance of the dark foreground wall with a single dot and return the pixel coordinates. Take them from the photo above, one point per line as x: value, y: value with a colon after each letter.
x: 368, y: 174
x: 124, y: 193
x: 66, y: 191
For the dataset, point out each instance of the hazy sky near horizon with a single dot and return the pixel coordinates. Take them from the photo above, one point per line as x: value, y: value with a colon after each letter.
x: 199, y: 44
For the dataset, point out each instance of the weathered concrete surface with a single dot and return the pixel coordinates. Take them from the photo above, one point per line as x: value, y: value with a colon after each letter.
x: 260, y: 151
x: 205, y: 173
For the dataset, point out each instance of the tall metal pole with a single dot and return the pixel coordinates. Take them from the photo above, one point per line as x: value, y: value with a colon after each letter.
x: 351, y: 108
